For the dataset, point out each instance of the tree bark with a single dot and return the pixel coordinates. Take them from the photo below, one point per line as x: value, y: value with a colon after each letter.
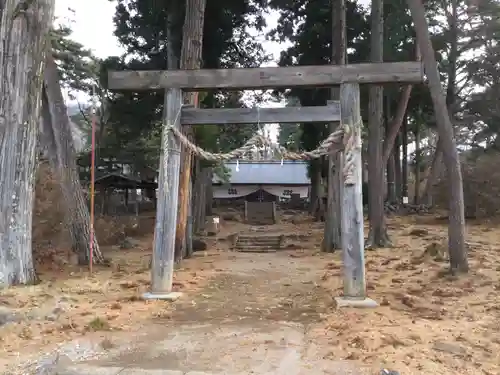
x: 209, y: 197
x: 24, y: 29
x: 391, y: 173
x: 418, y: 161
x: 397, y: 121
x: 398, y: 174
x: 378, y: 231
x: 196, y: 195
x: 199, y: 203
x: 433, y: 175
x: 452, y: 58
x: 395, y: 125
x: 451, y: 88
x: 392, y: 196
x: 57, y: 140
x: 202, y: 213
x: 456, y: 228
x: 333, y: 230
x: 404, y: 162
x: 188, y: 251
x: 192, y: 40
x: 317, y: 208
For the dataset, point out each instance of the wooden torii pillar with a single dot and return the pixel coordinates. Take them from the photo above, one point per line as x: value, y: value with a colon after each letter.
x: 349, y: 77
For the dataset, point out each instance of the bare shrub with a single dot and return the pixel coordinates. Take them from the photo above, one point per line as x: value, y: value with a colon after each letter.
x: 481, y: 179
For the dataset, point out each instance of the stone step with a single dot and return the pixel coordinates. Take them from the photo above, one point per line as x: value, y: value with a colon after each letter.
x: 265, y: 245
x: 258, y: 243
x: 258, y: 239
x: 253, y: 243
x: 256, y: 249
x: 273, y: 245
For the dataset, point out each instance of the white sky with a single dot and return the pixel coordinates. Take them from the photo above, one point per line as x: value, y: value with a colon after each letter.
x: 92, y: 25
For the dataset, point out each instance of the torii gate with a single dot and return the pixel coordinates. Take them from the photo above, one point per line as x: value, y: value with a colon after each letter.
x: 346, y: 111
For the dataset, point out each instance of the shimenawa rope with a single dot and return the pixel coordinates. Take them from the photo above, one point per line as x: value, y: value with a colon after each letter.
x: 343, y: 138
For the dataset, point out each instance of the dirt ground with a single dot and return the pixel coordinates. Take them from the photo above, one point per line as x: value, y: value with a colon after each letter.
x: 428, y: 322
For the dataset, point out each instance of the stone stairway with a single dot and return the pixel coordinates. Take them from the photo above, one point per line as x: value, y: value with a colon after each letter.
x: 252, y: 243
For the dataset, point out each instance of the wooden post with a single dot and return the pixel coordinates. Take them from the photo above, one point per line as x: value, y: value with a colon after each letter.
x: 404, y: 141
x: 136, y: 204
x: 191, y: 57
x: 332, y: 232
x: 162, y: 265
x: 189, y: 225
x: 352, y: 208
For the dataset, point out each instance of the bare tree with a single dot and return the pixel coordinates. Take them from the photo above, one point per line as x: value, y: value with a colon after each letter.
x: 332, y: 235
x: 57, y: 140
x: 378, y: 231
x: 456, y: 229
x: 451, y: 91
x: 395, y: 125
x: 192, y: 40
x: 24, y: 27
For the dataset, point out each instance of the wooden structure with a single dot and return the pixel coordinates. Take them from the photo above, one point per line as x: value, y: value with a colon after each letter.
x: 257, y: 180
x: 260, y: 213
x: 347, y: 110
x: 117, y: 184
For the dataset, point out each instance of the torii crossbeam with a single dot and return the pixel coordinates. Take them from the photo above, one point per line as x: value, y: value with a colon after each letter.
x: 347, y: 111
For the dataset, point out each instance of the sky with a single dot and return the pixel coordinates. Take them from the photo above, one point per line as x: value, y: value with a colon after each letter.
x: 92, y: 25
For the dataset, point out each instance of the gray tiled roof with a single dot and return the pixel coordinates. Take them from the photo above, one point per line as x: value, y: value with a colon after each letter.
x: 269, y: 172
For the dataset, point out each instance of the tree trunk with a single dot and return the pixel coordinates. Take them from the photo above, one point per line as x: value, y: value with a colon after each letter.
x: 452, y: 59
x: 24, y: 29
x: 201, y: 195
x: 397, y: 121
x: 392, y: 196
x: 451, y: 88
x: 456, y: 228
x: 391, y: 176
x: 315, y: 186
x: 188, y: 253
x: 378, y: 231
x: 316, y: 191
x: 332, y: 231
x: 209, y: 193
x: 418, y: 162
x: 398, y: 175
x: 404, y: 162
x: 451, y: 85
x: 433, y: 175
x: 196, y: 196
x: 192, y: 40
x: 57, y: 140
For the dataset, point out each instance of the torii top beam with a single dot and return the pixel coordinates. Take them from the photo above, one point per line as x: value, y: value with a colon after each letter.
x: 267, y: 78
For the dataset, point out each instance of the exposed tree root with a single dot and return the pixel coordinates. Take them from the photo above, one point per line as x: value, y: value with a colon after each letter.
x: 378, y: 240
